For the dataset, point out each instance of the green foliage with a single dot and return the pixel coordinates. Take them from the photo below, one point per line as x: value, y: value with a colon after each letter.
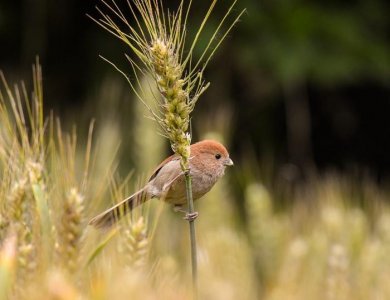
x: 323, y: 42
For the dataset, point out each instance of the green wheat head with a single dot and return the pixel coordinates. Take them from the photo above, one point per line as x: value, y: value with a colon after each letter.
x: 159, y: 41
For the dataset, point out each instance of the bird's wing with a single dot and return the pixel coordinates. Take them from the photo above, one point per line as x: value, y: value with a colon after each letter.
x: 159, y: 183
x: 162, y: 164
x: 165, y: 176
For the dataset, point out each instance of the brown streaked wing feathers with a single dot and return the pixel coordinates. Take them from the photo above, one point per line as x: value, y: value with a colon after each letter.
x: 163, y: 163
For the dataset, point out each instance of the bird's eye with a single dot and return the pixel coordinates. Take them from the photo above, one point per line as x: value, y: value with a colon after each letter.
x: 218, y: 156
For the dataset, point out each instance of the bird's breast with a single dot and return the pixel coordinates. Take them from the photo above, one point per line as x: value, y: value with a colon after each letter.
x: 201, y: 183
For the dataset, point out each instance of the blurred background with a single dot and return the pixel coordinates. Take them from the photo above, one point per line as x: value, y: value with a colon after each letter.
x: 300, y: 94
x: 299, y: 85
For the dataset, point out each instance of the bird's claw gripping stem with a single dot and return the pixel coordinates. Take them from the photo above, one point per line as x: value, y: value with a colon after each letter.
x: 191, y: 216
x: 188, y: 216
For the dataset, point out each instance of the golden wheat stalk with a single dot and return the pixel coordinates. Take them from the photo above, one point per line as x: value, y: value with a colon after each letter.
x: 19, y: 200
x: 159, y: 41
x: 24, y: 191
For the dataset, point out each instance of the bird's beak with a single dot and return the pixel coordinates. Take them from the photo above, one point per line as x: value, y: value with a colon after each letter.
x: 228, y: 162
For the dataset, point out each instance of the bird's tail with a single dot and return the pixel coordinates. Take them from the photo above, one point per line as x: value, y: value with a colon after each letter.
x: 112, y: 215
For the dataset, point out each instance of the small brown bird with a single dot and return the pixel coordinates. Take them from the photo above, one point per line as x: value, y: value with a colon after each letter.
x: 208, y: 161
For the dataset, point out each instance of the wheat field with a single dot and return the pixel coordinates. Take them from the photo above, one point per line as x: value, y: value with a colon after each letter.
x: 330, y: 240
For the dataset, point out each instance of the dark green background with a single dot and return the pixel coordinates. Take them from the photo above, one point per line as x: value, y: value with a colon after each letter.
x: 307, y: 81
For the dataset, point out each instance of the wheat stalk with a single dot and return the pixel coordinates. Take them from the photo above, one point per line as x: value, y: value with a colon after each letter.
x: 159, y: 41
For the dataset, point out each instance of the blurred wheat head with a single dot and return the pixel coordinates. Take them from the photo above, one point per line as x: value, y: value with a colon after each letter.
x: 45, y: 179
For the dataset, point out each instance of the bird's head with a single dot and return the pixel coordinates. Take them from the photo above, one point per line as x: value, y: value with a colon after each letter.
x: 211, y: 156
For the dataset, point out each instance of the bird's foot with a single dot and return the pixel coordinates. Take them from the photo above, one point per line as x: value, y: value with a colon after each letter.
x: 188, y: 216
x: 191, y: 216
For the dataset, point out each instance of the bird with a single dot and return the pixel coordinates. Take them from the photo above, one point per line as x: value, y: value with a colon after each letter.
x: 207, y: 163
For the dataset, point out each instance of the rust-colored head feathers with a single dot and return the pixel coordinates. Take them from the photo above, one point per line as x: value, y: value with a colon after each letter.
x: 209, y: 146
x: 210, y: 156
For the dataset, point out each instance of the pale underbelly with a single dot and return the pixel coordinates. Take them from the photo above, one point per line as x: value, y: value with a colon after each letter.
x: 177, y: 194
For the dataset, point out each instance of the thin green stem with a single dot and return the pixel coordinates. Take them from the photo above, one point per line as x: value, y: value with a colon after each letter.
x: 191, y: 222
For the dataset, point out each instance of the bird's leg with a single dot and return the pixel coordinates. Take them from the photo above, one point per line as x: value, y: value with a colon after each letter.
x: 188, y: 216
x: 178, y: 208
